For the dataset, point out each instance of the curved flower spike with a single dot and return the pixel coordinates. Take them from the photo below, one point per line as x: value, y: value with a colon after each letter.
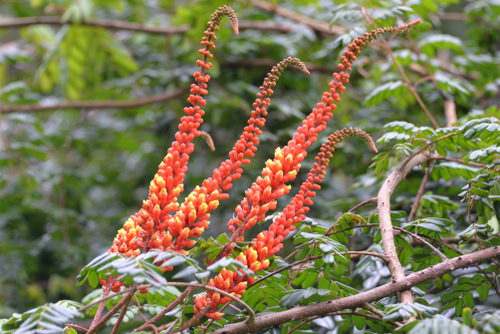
x: 192, y: 217
x: 146, y: 229
x: 261, y: 197
x: 268, y: 243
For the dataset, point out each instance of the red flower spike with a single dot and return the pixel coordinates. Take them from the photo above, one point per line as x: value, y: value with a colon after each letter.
x: 268, y: 243
x: 167, y: 183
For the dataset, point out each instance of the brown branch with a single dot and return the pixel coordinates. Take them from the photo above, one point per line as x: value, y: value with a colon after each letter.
x: 80, y: 328
x: 449, y: 16
x: 95, y: 104
x: 407, y: 81
x: 251, y: 313
x: 428, y: 244
x: 193, y: 321
x: 384, y: 211
x: 118, y: 322
x: 130, y: 26
x: 100, y: 308
x: 107, y: 23
x: 122, y: 303
x: 322, y: 309
x: 267, y: 26
x: 353, y: 255
x: 316, y: 25
x: 472, y: 163
x: 368, y: 201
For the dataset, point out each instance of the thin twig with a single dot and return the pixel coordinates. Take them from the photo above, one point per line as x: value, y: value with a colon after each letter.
x: 251, y: 313
x: 407, y: 81
x: 169, y: 308
x: 104, y: 298
x: 77, y: 327
x: 108, y: 24
x: 139, y: 307
x: 311, y: 258
x: 423, y: 148
x: 416, y: 236
x: 368, y: 201
x: 319, y: 26
x: 118, y: 322
x: 472, y: 163
x: 100, y: 309
x: 111, y: 312
x: 420, y: 193
x: 194, y: 320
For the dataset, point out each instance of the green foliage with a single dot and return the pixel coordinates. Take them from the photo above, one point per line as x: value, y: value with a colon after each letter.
x: 69, y: 177
x: 46, y: 319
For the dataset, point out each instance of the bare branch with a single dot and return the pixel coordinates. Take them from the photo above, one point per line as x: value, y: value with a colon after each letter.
x: 420, y: 193
x: 169, y: 308
x: 322, y: 309
x: 270, y: 63
x: 95, y: 104
x: 108, y: 24
x: 130, y: 26
x: 384, y: 211
x: 368, y: 201
x: 316, y: 25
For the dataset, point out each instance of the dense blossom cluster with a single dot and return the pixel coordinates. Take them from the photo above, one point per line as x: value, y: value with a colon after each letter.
x: 267, y: 243
x: 164, y: 224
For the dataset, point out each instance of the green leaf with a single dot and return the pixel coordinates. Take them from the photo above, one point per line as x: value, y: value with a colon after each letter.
x: 93, y: 279
x: 483, y: 291
x: 432, y: 43
x: 468, y: 299
x: 384, y: 92
x: 186, y: 272
x: 310, y: 279
x: 292, y: 299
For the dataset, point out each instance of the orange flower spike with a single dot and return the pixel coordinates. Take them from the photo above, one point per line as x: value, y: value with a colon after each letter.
x: 294, y: 212
x: 167, y: 183
x: 243, y: 149
x: 295, y: 151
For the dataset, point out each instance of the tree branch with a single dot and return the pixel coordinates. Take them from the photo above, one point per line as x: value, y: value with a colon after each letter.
x: 95, y: 104
x: 384, y: 211
x: 108, y: 24
x: 322, y: 309
x: 270, y: 63
x: 131, y: 26
x: 316, y: 25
